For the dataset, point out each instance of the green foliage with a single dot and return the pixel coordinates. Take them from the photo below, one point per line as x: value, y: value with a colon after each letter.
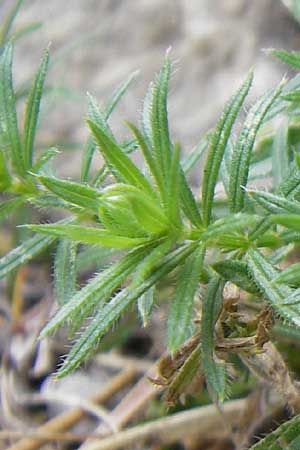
x: 157, y: 230
x: 286, y: 436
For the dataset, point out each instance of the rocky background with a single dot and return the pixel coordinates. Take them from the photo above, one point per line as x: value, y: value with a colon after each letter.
x: 95, y: 44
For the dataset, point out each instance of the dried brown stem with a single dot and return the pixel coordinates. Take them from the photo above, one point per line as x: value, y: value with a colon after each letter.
x: 69, y: 418
x: 205, y: 419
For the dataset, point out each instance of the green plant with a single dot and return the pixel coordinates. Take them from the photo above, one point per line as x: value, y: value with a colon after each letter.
x: 153, y: 221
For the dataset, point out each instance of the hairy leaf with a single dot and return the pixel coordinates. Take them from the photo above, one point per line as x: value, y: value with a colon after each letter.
x: 217, y: 147
x: 24, y: 253
x: 65, y: 271
x: 98, y: 289
x: 112, y: 311
x: 263, y: 273
x: 145, y: 305
x: 241, y: 155
x: 274, y: 203
x: 72, y: 192
x: 8, y: 116
x: 181, y: 308
x: 32, y: 110
x: 116, y: 158
x: 214, y: 370
x: 87, y: 235
x: 236, y: 272
x: 8, y: 22
x: 290, y: 275
x: 291, y: 58
x: 285, y: 437
x: 8, y: 206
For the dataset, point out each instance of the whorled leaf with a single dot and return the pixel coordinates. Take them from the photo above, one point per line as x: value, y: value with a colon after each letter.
x: 87, y: 235
x: 117, y: 159
x: 8, y: 206
x: 72, y: 192
x: 285, y: 437
x: 292, y: 58
x: 290, y: 275
x: 263, y: 274
x: 24, y: 253
x: 32, y: 110
x: 241, y: 156
x: 180, y: 313
x: 112, y: 310
x: 214, y: 370
x: 65, y: 271
x: 217, y: 147
x: 145, y: 305
x: 9, y: 131
x: 98, y: 289
x: 237, y: 273
x: 273, y: 203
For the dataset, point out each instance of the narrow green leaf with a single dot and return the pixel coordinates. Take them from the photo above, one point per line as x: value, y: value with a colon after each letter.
x: 26, y: 29
x: 145, y: 305
x: 282, y: 438
x: 173, y: 189
x: 100, y: 118
x: 8, y: 206
x: 112, y: 311
x: 159, y: 119
x: 188, y: 202
x: 118, y: 94
x: 98, y: 289
x: 217, y: 147
x: 263, y: 273
x: 151, y: 261
x: 47, y: 201
x: 24, y: 253
x: 181, y: 308
x: 215, y: 371
x: 97, y: 116
x: 274, y: 203
x: 228, y: 224
x: 114, y: 156
x: 290, y: 186
x: 146, y: 150
x: 5, y: 178
x: 194, y: 155
x: 290, y: 275
x: 241, y: 156
x: 237, y: 273
x: 8, y: 22
x: 291, y: 221
x: 87, y: 157
x: 72, y: 192
x: 43, y: 159
x: 32, y: 110
x: 292, y: 96
x: 65, y: 271
x: 94, y: 256
x: 280, y: 156
x: 291, y: 58
x: 8, y: 115
x: 87, y: 235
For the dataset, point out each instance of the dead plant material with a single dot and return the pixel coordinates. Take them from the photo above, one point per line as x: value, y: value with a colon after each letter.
x: 64, y: 421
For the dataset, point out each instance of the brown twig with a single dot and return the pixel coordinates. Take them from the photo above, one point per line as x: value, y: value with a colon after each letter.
x: 128, y: 407
x: 69, y: 418
x: 205, y: 419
